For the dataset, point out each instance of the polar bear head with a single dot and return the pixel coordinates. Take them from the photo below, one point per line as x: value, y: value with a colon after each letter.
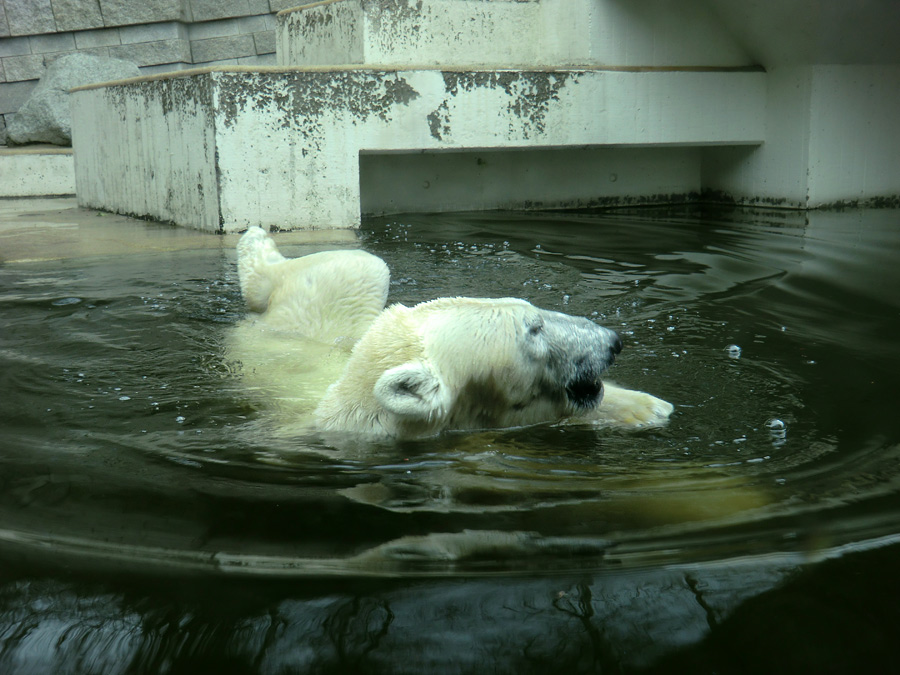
x: 468, y: 363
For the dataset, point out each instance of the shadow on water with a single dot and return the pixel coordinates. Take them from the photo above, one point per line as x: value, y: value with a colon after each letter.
x: 157, y: 517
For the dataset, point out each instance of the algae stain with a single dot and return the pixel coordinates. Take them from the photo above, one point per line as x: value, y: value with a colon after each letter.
x: 304, y: 100
x: 531, y: 93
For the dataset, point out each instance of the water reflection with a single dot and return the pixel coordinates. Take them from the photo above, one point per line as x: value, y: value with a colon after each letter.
x: 587, y: 624
x: 766, y: 615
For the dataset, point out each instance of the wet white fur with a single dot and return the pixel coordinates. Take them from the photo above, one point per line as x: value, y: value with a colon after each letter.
x: 452, y: 363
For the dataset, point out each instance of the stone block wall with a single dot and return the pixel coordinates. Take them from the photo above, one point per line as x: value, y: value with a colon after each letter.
x: 157, y: 35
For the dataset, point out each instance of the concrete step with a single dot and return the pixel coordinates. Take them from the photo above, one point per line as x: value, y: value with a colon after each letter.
x: 36, y: 170
x: 506, y: 33
x: 225, y: 148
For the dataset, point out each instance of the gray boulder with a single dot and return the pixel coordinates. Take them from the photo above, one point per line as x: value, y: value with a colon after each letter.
x: 45, y: 116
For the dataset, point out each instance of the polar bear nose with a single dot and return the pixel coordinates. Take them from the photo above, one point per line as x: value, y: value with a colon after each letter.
x: 615, y: 345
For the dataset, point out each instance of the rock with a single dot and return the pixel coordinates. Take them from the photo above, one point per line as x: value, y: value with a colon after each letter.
x: 45, y: 116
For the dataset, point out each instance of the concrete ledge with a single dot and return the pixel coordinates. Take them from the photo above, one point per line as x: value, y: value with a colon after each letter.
x: 33, y: 171
x: 222, y: 149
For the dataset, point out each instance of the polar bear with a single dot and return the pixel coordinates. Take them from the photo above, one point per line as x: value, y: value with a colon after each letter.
x: 450, y: 364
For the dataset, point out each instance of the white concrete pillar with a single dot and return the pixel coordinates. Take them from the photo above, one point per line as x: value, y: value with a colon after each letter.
x: 831, y: 138
x: 774, y: 173
x: 854, y: 144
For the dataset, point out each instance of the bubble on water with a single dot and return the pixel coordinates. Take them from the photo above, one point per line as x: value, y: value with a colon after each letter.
x: 777, y: 431
x: 66, y: 301
x: 124, y: 398
x: 179, y: 419
x: 734, y: 352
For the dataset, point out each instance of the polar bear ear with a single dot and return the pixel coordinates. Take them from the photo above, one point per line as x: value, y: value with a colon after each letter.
x: 413, y: 391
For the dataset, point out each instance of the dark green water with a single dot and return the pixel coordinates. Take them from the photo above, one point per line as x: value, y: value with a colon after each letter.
x: 150, y: 523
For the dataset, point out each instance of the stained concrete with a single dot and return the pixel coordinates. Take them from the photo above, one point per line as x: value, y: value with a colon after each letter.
x: 222, y: 149
x: 524, y: 34
x: 386, y: 105
x: 36, y: 171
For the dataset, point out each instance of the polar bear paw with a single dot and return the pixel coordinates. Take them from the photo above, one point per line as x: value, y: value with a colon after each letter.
x: 629, y: 408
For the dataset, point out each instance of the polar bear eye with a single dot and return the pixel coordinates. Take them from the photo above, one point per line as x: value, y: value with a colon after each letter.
x: 536, y: 327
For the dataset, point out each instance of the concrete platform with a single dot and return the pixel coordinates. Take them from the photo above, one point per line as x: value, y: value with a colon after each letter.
x: 225, y: 148
x: 36, y: 170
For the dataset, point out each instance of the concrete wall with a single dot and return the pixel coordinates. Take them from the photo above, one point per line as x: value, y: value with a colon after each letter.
x: 284, y: 148
x: 507, y: 33
x: 384, y: 105
x: 162, y: 160
x: 807, y: 32
x: 660, y: 33
x: 775, y: 173
x: 854, y: 149
x: 427, y: 33
x: 157, y: 35
x: 26, y: 172
x: 584, y: 177
x: 831, y: 138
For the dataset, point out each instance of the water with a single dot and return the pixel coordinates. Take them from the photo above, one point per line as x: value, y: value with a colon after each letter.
x: 131, y: 449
